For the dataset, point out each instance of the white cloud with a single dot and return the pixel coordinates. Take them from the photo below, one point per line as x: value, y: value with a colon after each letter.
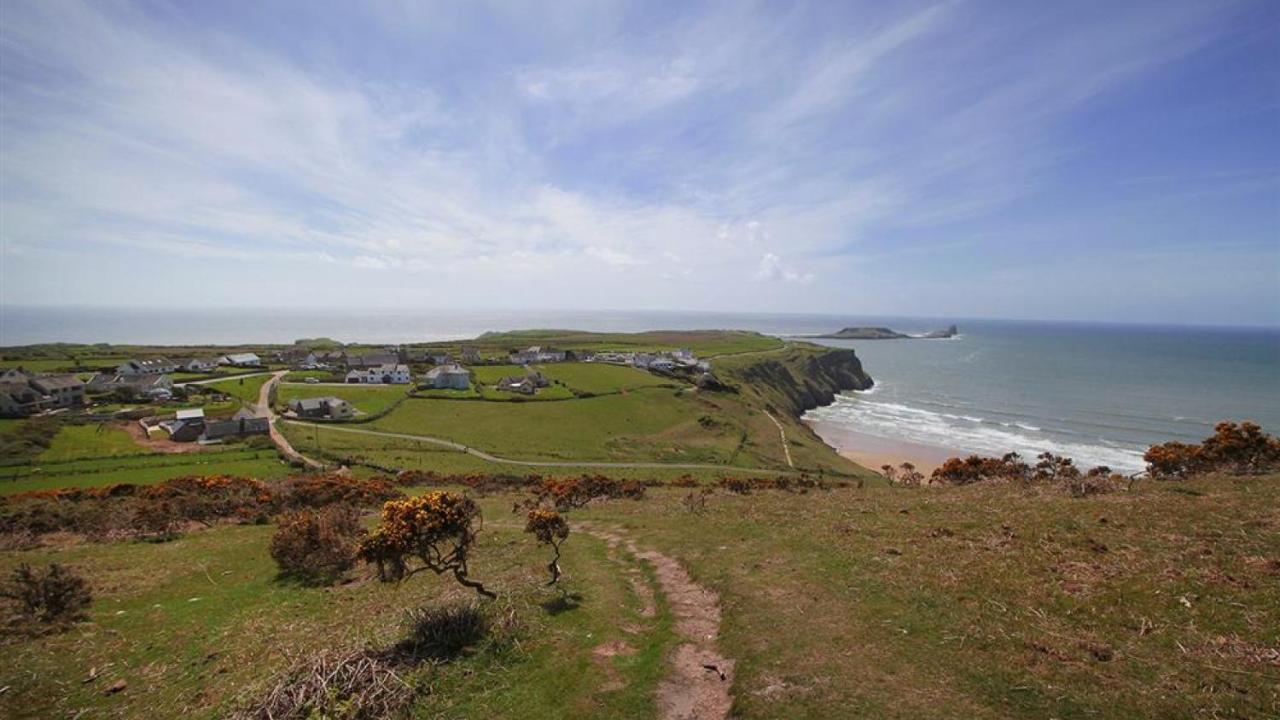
x: 772, y: 269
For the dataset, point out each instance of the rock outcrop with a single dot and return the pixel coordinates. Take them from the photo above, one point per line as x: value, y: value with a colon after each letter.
x: 803, y: 379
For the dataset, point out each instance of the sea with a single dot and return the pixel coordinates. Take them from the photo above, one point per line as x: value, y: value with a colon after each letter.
x: 1099, y: 393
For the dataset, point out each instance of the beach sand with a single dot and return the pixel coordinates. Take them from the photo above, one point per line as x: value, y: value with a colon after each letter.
x: 871, y: 451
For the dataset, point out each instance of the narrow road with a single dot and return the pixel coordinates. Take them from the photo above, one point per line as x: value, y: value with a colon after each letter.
x: 785, y: 447
x: 263, y: 409
x: 538, y: 463
x: 226, y: 377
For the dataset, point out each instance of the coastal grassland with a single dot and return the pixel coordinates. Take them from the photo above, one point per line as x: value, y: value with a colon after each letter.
x: 197, y: 625
x: 141, y: 469
x: 402, y: 454
x: 979, y: 601
x: 652, y: 424
x: 369, y: 399
x: 601, y: 378
x: 75, y: 442
x: 989, y: 601
x: 244, y: 388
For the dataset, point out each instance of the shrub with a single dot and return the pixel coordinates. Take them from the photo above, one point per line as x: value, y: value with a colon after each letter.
x: 1238, y: 449
x: 1095, y: 482
x: 568, y: 493
x: 442, y: 632
x: 317, y: 546
x: 736, y: 485
x: 696, y: 501
x: 435, y: 529
x: 57, y: 595
x: 156, y: 520
x: 550, y: 528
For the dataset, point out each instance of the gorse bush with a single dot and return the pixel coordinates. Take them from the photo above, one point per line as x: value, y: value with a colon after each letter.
x: 55, y: 595
x: 549, y: 528
x: 317, y: 546
x: 1049, y: 469
x: 575, y: 492
x: 1236, y: 449
x: 159, y: 511
x: 435, y: 531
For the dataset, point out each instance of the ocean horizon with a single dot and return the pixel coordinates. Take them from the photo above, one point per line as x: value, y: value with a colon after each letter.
x: 1097, y: 392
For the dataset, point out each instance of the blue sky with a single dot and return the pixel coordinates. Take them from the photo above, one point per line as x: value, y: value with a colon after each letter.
x: 1082, y: 160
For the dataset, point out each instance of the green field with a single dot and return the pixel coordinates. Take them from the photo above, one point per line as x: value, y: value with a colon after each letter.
x: 650, y: 424
x: 330, y: 442
x: 245, y: 388
x: 74, y: 442
x: 368, y: 399
x: 140, y: 469
x: 601, y: 378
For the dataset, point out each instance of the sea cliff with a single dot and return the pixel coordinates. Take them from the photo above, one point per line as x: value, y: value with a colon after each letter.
x: 799, y: 378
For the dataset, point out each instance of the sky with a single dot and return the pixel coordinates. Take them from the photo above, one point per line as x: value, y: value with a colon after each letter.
x: 1099, y: 161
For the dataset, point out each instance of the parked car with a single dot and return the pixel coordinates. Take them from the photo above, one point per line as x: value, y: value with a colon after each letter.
x: 313, y: 381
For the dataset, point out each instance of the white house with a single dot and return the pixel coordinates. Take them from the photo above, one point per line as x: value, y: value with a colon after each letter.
x: 537, y: 354
x: 241, y: 360
x: 380, y: 374
x: 153, y: 366
x: 451, y: 377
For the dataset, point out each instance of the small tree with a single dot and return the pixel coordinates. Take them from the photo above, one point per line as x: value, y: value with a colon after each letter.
x: 909, y: 476
x: 550, y: 528
x: 54, y: 596
x: 435, y: 529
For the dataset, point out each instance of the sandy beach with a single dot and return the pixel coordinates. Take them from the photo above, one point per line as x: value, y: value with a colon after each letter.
x: 872, y: 452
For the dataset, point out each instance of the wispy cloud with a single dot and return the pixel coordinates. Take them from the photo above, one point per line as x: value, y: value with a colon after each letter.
x: 711, y: 153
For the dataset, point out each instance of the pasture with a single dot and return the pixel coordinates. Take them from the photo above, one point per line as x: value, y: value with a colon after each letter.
x: 368, y: 399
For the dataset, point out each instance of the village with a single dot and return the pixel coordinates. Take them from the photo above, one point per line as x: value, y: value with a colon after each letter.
x: 196, y: 399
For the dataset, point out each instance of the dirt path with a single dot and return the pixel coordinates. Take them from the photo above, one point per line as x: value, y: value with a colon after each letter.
x: 698, y: 682
x: 263, y: 409
x: 786, y: 449
x: 539, y: 463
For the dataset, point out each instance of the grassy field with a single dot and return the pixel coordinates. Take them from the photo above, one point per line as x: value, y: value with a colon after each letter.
x: 650, y: 424
x: 979, y: 601
x: 74, y: 442
x: 245, y: 388
x: 601, y: 378
x: 368, y: 399
x: 320, y: 441
x: 140, y: 469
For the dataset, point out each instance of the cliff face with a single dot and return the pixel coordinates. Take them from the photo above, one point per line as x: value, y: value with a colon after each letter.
x: 801, y: 380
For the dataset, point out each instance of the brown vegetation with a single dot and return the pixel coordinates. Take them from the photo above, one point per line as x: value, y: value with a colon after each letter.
x: 1235, y: 449
x: 317, y: 546
x: 160, y: 511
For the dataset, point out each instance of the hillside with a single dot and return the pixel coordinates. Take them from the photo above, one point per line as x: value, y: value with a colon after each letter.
x: 978, y: 601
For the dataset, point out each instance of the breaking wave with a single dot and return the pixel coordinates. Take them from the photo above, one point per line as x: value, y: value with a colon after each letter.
x: 971, y: 433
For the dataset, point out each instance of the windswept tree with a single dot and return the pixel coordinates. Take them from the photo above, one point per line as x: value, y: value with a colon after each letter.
x: 550, y: 528
x: 435, y: 531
